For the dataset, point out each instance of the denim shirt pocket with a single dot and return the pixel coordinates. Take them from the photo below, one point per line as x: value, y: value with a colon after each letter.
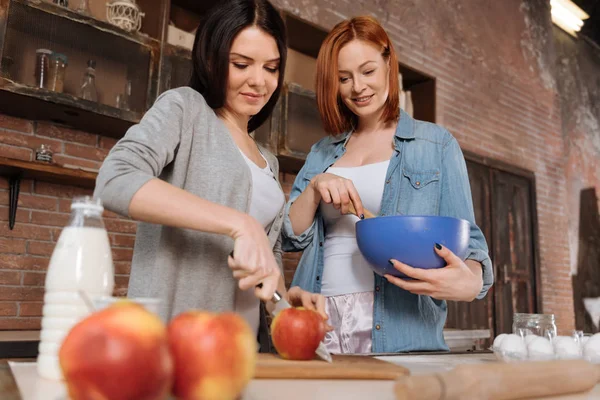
x: 420, y: 192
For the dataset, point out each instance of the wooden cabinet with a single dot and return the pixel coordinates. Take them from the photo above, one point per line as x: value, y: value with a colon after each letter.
x: 504, y: 205
x: 121, y: 59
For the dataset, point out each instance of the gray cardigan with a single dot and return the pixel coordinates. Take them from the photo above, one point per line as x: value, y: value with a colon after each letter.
x: 181, y: 141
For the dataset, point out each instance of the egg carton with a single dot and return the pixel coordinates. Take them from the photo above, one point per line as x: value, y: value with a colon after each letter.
x: 516, y: 348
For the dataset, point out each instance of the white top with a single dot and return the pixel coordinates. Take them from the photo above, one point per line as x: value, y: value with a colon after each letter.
x: 345, y: 270
x: 266, y: 201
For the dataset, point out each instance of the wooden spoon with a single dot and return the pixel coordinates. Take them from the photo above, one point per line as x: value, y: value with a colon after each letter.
x: 368, y: 214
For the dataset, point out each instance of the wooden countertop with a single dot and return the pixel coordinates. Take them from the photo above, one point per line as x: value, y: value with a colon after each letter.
x: 270, y: 389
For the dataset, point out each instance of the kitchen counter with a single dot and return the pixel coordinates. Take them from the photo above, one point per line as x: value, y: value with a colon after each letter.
x: 34, y: 388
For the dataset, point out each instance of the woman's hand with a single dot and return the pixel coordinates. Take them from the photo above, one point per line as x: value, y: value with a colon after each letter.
x: 457, y: 281
x: 340, y: 192
x: 298, y: 297
x: 253, y: 261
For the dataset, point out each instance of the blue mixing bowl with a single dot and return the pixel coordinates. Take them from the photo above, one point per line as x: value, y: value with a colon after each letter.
x: 411, y: 240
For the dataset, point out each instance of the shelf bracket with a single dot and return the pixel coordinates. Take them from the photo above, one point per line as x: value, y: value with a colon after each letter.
x: 14, y: 185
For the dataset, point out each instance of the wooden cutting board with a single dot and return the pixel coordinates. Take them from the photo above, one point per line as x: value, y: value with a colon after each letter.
x: 271, y: 366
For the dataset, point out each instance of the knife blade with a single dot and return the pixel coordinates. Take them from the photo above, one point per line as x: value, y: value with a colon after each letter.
x: 282, y: 304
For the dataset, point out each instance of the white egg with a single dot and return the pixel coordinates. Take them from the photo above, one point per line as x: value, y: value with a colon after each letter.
x: 539, y: 347
x: 498, y: 340
x: 566, y: 347
x: 591, y: 349
x: 514, y: 346
x: 584, y: 340
x: 530, y: 338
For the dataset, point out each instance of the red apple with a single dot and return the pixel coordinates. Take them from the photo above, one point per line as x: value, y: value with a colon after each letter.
x: 297, y: 332
x: 215, y: 355
x: 119, y: 353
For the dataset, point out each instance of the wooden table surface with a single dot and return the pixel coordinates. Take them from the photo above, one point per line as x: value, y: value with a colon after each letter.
x: 297, y: 389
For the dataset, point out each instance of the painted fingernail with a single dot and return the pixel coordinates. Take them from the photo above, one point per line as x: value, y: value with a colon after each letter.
x: 362, y: 216
x: 438, y: 246
x: 391, y: 262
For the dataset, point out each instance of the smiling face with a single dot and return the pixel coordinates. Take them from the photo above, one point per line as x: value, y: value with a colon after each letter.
x: 364, y: 78
x: 253, y: 71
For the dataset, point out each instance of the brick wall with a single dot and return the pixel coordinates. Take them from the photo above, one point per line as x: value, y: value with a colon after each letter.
x: 494, y: 62
x: 43, y: 210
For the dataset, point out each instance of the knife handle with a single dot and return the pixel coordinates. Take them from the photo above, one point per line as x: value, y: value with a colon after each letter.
x: 276, y: 295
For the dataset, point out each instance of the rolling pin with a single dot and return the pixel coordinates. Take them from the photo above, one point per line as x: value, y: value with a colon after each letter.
x: 501, y: 381
x: 368, y: 214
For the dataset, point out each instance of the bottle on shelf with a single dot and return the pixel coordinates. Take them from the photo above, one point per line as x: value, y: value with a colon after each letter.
x: 88, y: 87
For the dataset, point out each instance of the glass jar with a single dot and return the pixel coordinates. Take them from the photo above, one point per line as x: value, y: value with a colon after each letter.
x: 42, y: 67
x: 43, y: 154
x: 58, y: 66
x: 534, y: 324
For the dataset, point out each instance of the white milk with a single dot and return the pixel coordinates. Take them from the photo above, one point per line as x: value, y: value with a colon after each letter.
x: 81, y: 262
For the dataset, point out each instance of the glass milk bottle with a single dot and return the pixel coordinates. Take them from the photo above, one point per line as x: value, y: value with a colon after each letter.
x: 81, y: 268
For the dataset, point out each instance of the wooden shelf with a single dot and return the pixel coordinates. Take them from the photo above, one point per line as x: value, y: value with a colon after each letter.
x: 64, y: 12
x: 15, y: 170
x: 46, y: 172
x: 40, y: 104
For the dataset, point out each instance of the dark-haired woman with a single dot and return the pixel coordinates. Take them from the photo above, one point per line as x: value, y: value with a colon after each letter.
x: 199, y: 184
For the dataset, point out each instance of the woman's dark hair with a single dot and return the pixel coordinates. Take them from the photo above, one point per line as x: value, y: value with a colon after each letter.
x: 210, y: 55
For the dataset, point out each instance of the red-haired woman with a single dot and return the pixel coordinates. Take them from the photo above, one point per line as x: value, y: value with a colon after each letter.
x: 378, y: 156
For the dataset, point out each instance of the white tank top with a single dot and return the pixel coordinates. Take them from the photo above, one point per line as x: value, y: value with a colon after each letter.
x: 266, y: 201
x: 345, y: 270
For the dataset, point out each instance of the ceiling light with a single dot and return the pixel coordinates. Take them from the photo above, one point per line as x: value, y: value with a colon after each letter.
x: 568, y: 16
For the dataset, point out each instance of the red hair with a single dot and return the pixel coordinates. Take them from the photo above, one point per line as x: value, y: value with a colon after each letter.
x: 336, y: 117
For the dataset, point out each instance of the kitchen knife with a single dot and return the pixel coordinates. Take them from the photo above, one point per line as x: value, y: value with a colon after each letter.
x: 282, y: 304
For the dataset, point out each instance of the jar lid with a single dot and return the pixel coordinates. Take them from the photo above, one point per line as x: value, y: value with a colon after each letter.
x: 43, y: 51
x: 61, y: 57
x: 523, y: 316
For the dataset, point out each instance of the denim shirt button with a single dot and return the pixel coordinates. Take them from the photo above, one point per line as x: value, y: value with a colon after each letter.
x: 377, y: 327
x: 387, y: 182
x: 320, y: 244
x: 377, y: 288
x: 318, y: 278
x: 418, y: 183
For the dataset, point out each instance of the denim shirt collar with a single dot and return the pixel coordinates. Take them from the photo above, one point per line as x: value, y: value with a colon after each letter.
x: 404, y: 130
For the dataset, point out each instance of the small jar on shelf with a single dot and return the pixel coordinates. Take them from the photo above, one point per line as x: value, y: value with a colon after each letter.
x: 44, y: 154
x: 42, y: 68
x: 58, y: 66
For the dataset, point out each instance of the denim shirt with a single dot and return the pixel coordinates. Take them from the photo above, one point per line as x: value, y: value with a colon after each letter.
x: 427, y: 175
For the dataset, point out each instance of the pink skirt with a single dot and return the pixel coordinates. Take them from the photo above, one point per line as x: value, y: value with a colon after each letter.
x: 351, y: 316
